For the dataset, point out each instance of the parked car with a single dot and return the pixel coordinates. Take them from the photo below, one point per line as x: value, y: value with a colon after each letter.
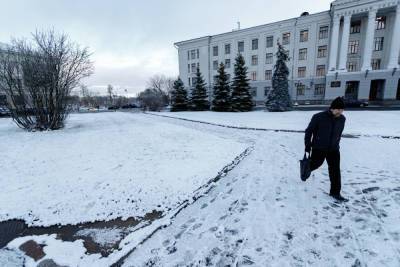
x: 355, y: 103
x: 4, y: 112
x: 129, y: 106
x: 113, y: 107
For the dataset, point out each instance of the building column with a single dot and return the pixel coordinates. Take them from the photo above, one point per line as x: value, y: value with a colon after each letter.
x: 369, y: 41
x: 395, y: 44
x: 344, y: 46
x: 333, y: 49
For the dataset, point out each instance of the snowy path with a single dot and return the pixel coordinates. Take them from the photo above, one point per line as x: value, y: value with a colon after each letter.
x: 261, y: 214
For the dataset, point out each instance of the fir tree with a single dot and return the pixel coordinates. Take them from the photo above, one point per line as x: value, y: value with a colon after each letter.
x: 199, y: 98
x: 221, y: 97
x: 279, y: 98
x: 241, y: 99
x: 179, y: 97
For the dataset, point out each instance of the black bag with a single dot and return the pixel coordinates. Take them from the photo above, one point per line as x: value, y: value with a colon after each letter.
x: 305, y: 169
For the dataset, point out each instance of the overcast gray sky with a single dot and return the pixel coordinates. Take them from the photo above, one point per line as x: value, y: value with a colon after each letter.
x: 133, y: 40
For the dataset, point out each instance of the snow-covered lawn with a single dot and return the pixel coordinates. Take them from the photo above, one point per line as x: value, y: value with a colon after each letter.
x: 104, y: 166
x: 384, y: 123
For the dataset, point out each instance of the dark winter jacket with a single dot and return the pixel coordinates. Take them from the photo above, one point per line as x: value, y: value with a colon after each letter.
x: 324, y: 131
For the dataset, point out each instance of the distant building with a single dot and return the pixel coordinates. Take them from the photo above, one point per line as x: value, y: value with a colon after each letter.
x: 352, y: 50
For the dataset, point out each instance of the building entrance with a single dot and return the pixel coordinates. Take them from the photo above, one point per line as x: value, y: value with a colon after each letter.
x: 352, y: 90
x: 377, y: 89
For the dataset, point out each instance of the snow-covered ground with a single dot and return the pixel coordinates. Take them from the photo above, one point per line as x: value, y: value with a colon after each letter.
x: 384, y: 123
x: 260, y: 213
x: 104, y: 166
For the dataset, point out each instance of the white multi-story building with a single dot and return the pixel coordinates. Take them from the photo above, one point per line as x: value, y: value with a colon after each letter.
x: 352, y: 50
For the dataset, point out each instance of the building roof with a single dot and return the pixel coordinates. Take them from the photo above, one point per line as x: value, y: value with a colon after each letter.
x: 250, y: 28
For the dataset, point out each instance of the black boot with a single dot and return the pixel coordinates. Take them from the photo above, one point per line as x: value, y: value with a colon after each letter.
x: 339, y: 197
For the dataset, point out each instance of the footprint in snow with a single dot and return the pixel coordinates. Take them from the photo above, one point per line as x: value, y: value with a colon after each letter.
x: 370, y: 189
x: 196, y: 226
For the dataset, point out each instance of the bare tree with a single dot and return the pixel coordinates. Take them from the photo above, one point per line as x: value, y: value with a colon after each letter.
x: 87, y: 96
x: 110, y: 91
x: 152, y: 99
x: 162, y: 84
x: 38, y: 77
x: 157, y: 82
x: 169, y: 87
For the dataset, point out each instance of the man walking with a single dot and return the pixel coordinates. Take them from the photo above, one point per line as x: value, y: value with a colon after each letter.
x: 323, y: 136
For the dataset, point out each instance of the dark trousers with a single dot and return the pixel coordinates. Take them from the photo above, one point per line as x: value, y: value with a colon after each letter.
x: 333, y: 158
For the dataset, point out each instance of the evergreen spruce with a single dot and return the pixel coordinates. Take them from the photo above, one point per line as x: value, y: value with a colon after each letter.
x: 221, y: 97
x: 179, y: 99
x: 279, y: 98
x: 199, y: 98
x: 241, y: 99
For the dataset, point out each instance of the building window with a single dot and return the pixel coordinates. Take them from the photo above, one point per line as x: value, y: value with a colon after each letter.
x: 378, y: 44
x: 254, y: 44
x: 241, y: 47
x: 254, y: 60
x: 301, y: 72
x: 304, y: 36
x: 269, y: 58
x: 336, y: 84
x: 268, y: 75
x: 301, y: 88
x: 322, y: 51
x: 267, y: 90
x: 193, y: 54
x: 270, y: 41
x: 189, y: 82
x: 323, y: 32
x: 227, y: 63
x: 188, y: 55
x: 253, y: 76
x: 319, y: 89
x: 286, y: 38
x: 194, y: 68
x: 355, y: 27
x: 215, y: 51
x: 380, y: 23
x: 376, y: 64
x: 198, y: 53
x: 215, y: 64
x: 354, y: 46
x: 188, y: 68
x: 227, y: 49
x: 320, y: 70
x: 303, y: 54
x: 352, y: 66
x: 253, y: 91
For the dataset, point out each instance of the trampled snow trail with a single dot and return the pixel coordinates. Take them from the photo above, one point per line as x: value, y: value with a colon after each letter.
x: 261, y: 214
